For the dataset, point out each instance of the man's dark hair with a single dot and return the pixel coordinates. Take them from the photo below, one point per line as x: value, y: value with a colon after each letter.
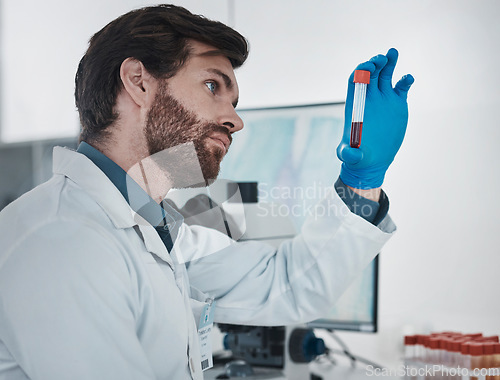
x: 158, y: 37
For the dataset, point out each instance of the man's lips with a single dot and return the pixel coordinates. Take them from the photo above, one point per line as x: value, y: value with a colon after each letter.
x: 224, y: 141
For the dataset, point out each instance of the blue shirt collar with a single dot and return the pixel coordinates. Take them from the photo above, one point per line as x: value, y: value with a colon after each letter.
x: 159, y: 216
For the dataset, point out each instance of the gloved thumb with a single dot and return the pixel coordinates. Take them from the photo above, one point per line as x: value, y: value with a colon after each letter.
x: 348, y: 155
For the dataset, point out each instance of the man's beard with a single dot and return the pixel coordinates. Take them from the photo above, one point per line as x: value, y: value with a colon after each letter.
x: 169, y: 128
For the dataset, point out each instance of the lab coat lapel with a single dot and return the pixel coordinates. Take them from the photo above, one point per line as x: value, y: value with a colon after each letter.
x: 154, y: 244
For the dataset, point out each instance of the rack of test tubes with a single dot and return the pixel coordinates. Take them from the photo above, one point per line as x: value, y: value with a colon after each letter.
x: 452, y: 356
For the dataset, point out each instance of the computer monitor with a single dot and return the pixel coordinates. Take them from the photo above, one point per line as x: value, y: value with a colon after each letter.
x: 291, y: 153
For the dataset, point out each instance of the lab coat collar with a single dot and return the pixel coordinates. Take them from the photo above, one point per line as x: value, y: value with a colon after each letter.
x: 156, y: 215
x: 86, y: 174
x: 81, y: 170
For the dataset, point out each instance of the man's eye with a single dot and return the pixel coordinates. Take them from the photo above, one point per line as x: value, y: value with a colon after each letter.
x: 212, y: 86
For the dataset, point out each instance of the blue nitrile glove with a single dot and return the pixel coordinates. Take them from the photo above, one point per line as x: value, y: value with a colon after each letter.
x: 384, y: 124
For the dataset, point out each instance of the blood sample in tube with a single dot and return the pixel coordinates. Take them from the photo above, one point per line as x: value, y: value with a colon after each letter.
x: 361, y: 81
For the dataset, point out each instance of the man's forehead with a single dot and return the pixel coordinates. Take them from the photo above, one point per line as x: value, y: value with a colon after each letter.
x: 202, y: 50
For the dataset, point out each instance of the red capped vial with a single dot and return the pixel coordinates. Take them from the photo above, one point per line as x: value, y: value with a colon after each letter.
x: 361, y: 81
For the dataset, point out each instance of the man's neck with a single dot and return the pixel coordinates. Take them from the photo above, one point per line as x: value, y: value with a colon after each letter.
x: 151, y: 178
x: 140, y: 167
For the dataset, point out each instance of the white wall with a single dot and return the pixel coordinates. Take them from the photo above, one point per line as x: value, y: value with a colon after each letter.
x: 40, y: 47
x: 441, y: 271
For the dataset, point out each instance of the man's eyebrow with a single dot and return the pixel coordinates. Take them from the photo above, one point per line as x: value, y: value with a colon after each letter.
x: 227, y: 81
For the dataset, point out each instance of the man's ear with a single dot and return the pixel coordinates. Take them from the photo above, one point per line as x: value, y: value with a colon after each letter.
x: 137, y: 81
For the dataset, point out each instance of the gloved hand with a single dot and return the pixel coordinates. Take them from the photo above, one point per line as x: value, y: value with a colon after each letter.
x: 384, y: 124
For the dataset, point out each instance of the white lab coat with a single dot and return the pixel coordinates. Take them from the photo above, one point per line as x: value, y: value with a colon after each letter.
x: 87, y: 292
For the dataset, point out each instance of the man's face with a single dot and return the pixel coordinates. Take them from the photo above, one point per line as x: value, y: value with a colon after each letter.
x: 196, y: 105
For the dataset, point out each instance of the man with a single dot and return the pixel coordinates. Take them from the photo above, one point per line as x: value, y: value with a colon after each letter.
x: 100, y: 279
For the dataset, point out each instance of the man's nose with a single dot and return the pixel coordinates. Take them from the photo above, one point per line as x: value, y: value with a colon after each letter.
x: 231, y: 120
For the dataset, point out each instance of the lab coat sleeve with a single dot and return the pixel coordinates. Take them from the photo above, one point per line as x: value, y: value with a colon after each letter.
x: 255, y: 284
x: 67, y: 311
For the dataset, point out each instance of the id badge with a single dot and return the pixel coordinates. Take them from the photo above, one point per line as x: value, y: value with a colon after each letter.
x: 204, y: 334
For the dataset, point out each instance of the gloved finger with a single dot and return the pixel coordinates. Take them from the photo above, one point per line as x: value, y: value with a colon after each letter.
x: 368, y: 66
x: 404, y: 85
x: 349, y: 155
x: 374, y: 65
x: 385, y: 78
x: 380, y: 61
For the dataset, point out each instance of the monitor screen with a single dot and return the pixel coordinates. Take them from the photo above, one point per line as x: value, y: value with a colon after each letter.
x: 291, y: 153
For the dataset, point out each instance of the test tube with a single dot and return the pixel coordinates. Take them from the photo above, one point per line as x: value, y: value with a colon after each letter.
x: 456, y: 355
x: 361, y: 81
x: 496, y: 361
x: 488, y: 357
x: 409, y: 343
x: 465, y: 350
x: 419, y: 348
x: 476, y: 352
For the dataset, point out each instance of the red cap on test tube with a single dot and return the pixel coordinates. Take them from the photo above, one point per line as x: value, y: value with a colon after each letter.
x: 410, y: 339
x: 426, y: 339
x: 450, y: 345
x: 489, y: 348
x: 459, y: 342
x: 434, y: 343
x: 465, y: 348
x: 497, y: 348
x: 455, y: 345
x: 475, y: 349
x: 361, y: 76
x: 493, y: 338
x: 474, y: 336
